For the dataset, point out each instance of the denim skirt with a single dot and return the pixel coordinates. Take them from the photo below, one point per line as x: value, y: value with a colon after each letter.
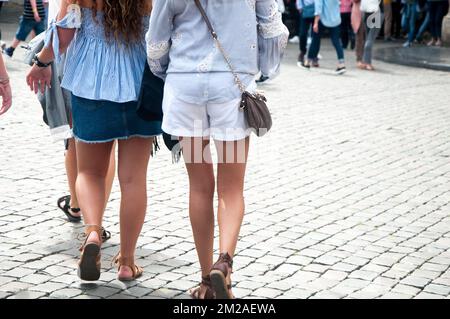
x: 104, y: 121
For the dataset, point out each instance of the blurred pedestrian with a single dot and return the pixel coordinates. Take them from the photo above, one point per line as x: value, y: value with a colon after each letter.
x: 438, y: 10
x: 388, y: 19
x: 327, y: 16
x: 32, y: 20
x: 359, y: 28
x: 424, y: 26
x: 347, y: 34
x: 372, y: 11
x: 409, y: 21
x: 397, y: 6
x: 306, y: 9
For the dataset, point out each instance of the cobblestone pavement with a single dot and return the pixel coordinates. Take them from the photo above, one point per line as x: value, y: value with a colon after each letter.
x: 348, y: 197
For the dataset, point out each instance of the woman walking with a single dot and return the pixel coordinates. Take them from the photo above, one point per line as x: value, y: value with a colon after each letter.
x: 372, y: 15
x: 58, y: 116
x: 201, y: 102
x: 103, y: 72
x: 327, y: 16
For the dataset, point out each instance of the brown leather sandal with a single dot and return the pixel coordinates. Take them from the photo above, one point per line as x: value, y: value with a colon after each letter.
x: 219, y: 273
x: 90, y: 264
x: 120, y: 261
x: 209, y: 292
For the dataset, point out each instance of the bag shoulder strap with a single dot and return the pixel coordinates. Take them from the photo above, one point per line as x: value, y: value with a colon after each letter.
x: 219, y: 45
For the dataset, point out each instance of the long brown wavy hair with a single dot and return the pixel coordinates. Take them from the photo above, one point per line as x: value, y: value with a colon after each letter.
x: 123, y: 18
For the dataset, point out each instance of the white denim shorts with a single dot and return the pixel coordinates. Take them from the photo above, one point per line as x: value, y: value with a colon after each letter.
x: 219, y: 121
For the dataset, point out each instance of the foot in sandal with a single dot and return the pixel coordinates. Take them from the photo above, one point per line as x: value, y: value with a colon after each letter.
x: 73, y: 214
x: 89, y: 265
x: 127, y: 270
x: 360, y: 65
x: 221, y: 277
x: 204, y: 291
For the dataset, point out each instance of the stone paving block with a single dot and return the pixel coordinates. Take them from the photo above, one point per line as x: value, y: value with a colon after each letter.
x: 250, y: 285
x: 393, y: 295
x: 86, y: 297
x: 327, y: 295
x: 101, y: 291
x: 287, y: 269
x: 295, y: 294
x: 407, y: 290
x: 344, y: 267
x: 66, y: 293
x: 437, y: 289
x: 121, y: 296
x: 425, y: 295
x: 418, y: 282
x: 35, y: 279
x: 299, y: 260
x: 48, y: 287
x: 18, y: 272
x: 137, y: 291
x: 267, y: 293
x: 335, y: 275
x: 164, y: 293
x: 25, y: 294
x: 15, y: 286
x: 363, y: 274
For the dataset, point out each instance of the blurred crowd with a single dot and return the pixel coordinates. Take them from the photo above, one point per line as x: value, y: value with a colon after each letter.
x: 356, y: 24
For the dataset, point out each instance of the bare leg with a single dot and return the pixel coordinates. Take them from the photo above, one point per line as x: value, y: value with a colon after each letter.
x: 111, y: 174
x: 93, y: 162
x: 72, y: 172
x: 230, y: 188
x: 15, y: 43
x: 134, y: 155
x: 201, y: 195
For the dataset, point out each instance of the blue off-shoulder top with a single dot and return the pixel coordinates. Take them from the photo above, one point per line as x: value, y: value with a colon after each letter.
x: 99, y: 68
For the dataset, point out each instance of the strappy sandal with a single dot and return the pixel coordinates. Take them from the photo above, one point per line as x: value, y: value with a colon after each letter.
x: 219, y: 272
x: 209, y: 292
x: 90, y: 264
x: 64, y: 204
x: 105, y: 235
x: 120, y: 261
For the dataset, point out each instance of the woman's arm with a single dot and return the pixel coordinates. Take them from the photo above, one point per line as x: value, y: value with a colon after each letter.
x: 58, y: 39
x: 159, y: 37
x: 5, y: 88
x: 318, y: 7
x: 272, y: 37
x: 65, y: 35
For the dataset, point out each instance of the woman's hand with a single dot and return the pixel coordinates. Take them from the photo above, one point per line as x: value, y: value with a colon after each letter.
x: 39, y: 78
x: 5, y: 93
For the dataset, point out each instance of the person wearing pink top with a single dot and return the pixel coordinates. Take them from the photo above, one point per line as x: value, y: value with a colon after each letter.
x: 347, y: 33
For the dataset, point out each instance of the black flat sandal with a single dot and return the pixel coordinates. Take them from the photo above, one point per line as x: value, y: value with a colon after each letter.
x: 64, y: 204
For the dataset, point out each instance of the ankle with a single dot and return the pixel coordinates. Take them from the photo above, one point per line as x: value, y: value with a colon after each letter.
x: 93, y: 237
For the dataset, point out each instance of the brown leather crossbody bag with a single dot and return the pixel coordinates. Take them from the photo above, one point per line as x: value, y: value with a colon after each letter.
x: 253, y: 105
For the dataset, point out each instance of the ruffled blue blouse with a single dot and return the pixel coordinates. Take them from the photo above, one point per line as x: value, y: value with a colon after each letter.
x: 98, y: 68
